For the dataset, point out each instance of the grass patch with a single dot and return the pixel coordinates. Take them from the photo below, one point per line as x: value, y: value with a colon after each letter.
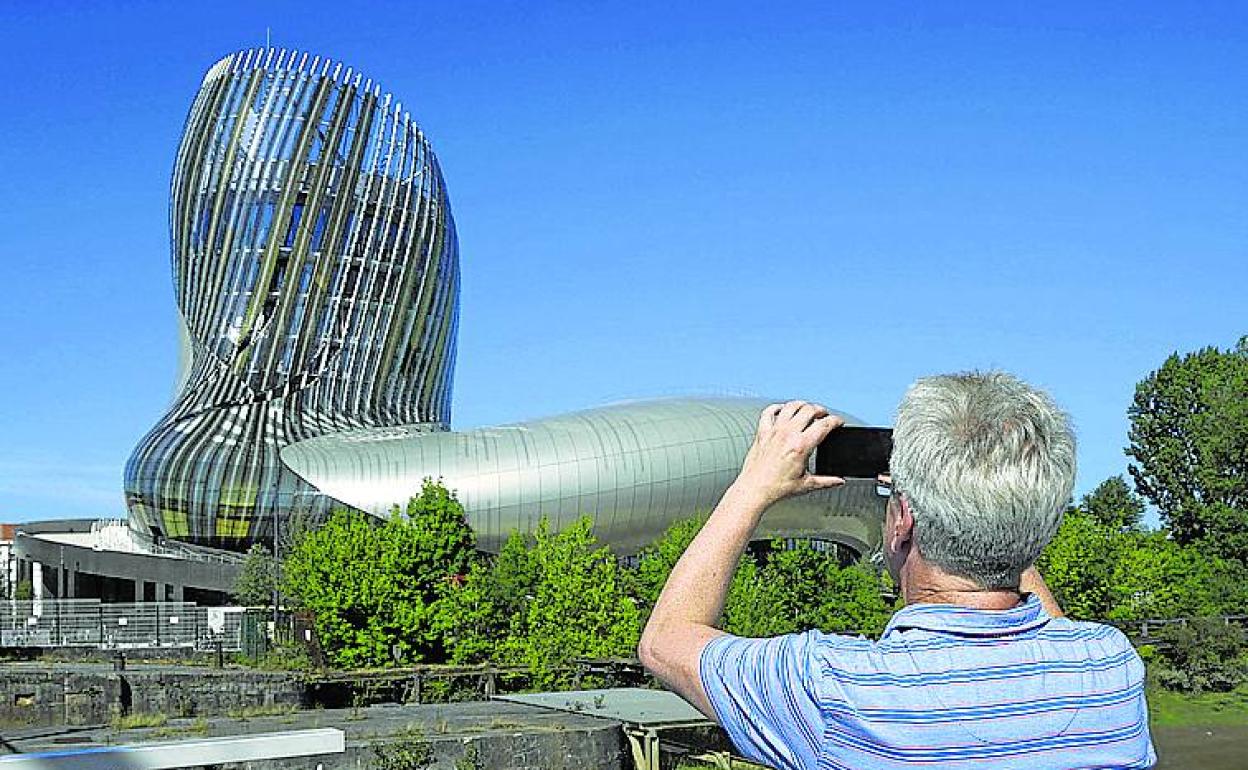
x: 198, y: 727
x: 139, y: 721
x: 270, y: 710
x: 503, y: 724
x: 1173, y: 709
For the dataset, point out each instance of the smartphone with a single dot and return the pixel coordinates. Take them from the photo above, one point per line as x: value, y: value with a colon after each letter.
x: 853, y: 452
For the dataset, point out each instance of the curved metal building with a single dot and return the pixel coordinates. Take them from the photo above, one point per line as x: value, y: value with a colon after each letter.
x: 635, y: 467
x: 316, y: 272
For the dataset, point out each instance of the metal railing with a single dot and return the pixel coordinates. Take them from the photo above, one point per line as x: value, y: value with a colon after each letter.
x: 1142, y: 632
x: 89, y: 623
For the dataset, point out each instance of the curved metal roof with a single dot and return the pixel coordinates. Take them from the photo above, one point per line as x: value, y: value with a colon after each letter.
x: 635, y: 467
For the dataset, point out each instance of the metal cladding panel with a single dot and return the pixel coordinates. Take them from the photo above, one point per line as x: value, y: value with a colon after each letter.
x: 635, y: 468
x: 316, y: 272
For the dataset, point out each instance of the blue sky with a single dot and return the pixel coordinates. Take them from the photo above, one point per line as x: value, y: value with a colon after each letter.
x: 789, y: 200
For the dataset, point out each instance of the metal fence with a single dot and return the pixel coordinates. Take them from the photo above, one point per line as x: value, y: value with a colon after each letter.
x: 93, y: 624
x: 1152, y: 631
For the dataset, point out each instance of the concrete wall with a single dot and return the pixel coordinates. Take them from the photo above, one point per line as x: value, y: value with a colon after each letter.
x: 459, y: 736
x: 67, y: 696
x: 579, y: 748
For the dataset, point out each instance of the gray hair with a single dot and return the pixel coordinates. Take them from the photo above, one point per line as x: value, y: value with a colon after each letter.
x: 987, y: 464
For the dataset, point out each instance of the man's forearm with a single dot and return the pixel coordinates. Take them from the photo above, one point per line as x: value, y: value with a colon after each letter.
x: 683, y: 620
x: 689, y: 607
x: 698, y: 586
x: 1033, y: 583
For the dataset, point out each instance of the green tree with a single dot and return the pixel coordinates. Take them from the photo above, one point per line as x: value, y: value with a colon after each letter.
x: 753, y: 606
x: 1203, y: 654
x: 656, y: 561
x: 376, y: 589
x: 256, y: 578
x: 578, y: 606
x: 1114, y: 504
x: 797, y: 589
x: 481, y: 608
x: 1155, y: 577
x: 1189, y: 441
x: 446, y: 546
x: 1078, y: 565
x: 801, y: 588
x: 746, y: 605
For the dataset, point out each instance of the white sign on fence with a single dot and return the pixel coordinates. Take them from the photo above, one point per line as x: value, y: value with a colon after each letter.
x: 216, y: 620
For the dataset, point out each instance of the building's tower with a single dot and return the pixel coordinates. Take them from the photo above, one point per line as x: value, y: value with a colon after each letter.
x: 316, y: 272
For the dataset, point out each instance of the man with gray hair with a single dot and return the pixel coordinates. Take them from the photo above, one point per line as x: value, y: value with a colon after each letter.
x: 979, y: 669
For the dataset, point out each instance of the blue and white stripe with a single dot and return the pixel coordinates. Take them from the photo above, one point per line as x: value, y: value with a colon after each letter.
x: 946, y: 686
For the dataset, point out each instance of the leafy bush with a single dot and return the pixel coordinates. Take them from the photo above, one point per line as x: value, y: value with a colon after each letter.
x: 482, y: 607
x: 793, y: 590
x: 1201, y: 655
x: 256, y: 579
x: 376, y: 588
x: 800, y: 588
x: 656, y: 561
x: 1078, y: 565
x: 543, y: 606
x: 283, y: 657
x: 1098, y: 572
x: 1155, y: 577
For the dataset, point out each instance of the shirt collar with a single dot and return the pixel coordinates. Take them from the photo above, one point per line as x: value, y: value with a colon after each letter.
x: 954, y: 619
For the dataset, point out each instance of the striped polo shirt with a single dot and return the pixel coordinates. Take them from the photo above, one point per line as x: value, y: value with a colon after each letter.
x: 945, y: 686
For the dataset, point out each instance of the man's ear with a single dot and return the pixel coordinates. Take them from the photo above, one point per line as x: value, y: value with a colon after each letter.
x: 902, y: 530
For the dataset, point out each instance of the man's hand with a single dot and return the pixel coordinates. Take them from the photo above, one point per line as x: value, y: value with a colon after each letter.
x: 1033, y: 583
x: 777, y: 464
x: 683, y: 620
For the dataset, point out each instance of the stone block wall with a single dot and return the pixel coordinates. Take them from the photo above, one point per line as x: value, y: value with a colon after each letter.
x: 77, y: 697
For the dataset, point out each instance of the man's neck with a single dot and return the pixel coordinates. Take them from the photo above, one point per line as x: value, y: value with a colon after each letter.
x: 922, y: 583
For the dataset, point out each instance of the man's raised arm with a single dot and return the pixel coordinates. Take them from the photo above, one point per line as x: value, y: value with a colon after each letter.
x: 684, y: 617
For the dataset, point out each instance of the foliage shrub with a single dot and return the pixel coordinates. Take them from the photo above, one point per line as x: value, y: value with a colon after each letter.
x: 1078, y: 565
x: 1201, y: 655
x: 800, y: 588
x: 1099, y: 572
x: 655, y: 562
x: 543, y: 606
x: 256, y: 579
x: 480, y: 608
x: 1155, y: 577
x: 376, y: 589
x: 793, y: 590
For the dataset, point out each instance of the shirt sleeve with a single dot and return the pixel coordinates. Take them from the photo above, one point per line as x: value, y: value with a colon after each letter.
x: 763, y: 692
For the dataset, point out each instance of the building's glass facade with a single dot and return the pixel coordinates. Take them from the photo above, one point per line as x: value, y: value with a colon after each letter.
x: 316, y: 271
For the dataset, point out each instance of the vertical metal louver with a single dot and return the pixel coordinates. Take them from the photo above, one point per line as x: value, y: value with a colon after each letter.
x: 316, y: 271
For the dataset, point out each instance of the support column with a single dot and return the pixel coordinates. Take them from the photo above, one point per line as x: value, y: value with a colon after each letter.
x: 38, y: 580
